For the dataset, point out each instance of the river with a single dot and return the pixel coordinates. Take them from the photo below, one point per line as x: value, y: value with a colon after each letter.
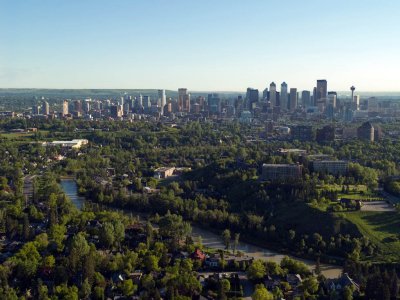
x: 212, y: 240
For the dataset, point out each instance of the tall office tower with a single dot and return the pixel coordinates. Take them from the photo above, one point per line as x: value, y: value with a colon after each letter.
x: 97, y: 105
x: 116, y: 111
x: 201, y: 101
x: 65, y: 108
x: 251, y: 98
x: 45, y: 108
x: 306, y: 99
x: 322, y: 89
x: 121, y: 101
x: 214, y: 104
x: 183, y: 100
x: 35, y: 110
x: 162, y: 100
x: 140, y: 100
x: 373, y: 105
x: 293, y: 99
x: 146, y: 102
x: 265, y: 95
x: 284, y: 96
x: 314, y: 102
x: 86, y: 105
x: 127, y: 98
x: 332, y: 97
x: 272, y: 94
x: 78, y: 107
x: 356, y: 102
x: 131, y: 104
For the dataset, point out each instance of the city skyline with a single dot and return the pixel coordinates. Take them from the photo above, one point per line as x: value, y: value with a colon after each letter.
x: 204, y: 46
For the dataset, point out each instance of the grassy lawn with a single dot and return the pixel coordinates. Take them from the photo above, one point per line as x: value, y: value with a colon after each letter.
x: 382, y: 229
x: 16, y: 135
x: 356, y: 192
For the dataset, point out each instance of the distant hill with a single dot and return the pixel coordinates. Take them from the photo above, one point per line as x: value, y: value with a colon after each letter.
x: 97, y: 93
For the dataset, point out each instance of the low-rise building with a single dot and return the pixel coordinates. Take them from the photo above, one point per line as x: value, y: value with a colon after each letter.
x: 325, y: 134
x: 164, y: 172
x: 303, y: 133
x: 74, y: 144
x: 281, y: 171
x: 298, y: 152
x: 333, y: 167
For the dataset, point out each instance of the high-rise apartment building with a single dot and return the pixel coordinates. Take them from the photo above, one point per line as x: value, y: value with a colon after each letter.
x: 366, y: 132
x: 78, y: 107
x: 284, y: 97
x: 45, y: 108
x: 162, y: 100
x: 356, y: 102
x: 65, y: 108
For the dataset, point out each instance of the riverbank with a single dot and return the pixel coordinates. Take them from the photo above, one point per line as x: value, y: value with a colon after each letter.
x: 210, y: 239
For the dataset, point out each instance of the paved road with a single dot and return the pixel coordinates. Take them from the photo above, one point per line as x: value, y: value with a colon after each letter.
x: 382, y: 206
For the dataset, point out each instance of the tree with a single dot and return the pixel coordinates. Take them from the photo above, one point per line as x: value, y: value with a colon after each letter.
x: 394, y: 284
x: 151, y: 263
x: 86, y: 289
x: 43, y: 292
x: 27, y: 261
x: 128, y: 288
x: 119, y: 232
x: 67, y: 293
x: 49, y: 261
x: 4, y: 273
x: 347, y: 293
x: 292, y: 234
x: 180, y: 277
x: 309, y: 286
x: 90, y: 264
x: 57, y: 236
x: 236, y: 241
x: 225, y: 285
x: 256, y: 270
x: 98, y: 293
x: 226, y: 235
x: 79, y: 249
x: 261, y: 293
x: 172, y: 226
x: 107, y: 236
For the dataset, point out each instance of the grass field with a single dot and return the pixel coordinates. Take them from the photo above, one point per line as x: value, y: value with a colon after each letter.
x: 382, y: 229
x: 16, y: 135
x: 356, y: 192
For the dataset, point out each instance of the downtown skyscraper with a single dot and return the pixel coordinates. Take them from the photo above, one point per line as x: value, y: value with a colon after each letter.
x: 183, y: 100
x: 284, y: 96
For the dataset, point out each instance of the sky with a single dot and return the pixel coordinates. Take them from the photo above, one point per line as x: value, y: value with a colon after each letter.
x: 220, y: 45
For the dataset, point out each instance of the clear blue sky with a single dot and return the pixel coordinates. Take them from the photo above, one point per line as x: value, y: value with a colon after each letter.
x: 201, y: 45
